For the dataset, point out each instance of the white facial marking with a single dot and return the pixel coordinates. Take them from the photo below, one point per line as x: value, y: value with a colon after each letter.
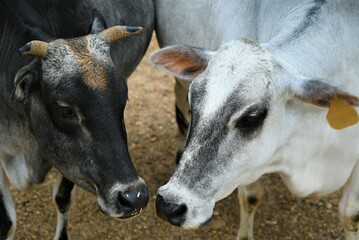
x: 235, y: 64
x: 97, y: 48
x: 52, y: 70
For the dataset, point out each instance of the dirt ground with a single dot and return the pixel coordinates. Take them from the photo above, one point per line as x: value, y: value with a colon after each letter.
x: 151, y: 126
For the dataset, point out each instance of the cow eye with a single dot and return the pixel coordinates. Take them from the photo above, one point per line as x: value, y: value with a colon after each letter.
x: 251, y: 122
x: 64, y: 117
x: 68, y: 113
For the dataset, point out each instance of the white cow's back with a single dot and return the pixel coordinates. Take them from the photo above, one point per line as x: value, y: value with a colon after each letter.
x: 314, y: 53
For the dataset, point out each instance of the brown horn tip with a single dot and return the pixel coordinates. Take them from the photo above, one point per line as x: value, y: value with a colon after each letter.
x: 115, y: 33
x: 34, y: 48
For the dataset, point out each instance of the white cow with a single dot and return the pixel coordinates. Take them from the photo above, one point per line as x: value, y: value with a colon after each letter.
x: 260, y: 106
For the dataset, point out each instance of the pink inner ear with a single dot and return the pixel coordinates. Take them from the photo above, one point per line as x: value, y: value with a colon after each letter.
x: 182, y: 64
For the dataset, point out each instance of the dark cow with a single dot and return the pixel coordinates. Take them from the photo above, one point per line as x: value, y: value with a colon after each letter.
x: 62, y: 101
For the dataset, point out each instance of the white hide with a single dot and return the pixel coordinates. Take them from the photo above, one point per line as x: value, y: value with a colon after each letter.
x: 225, y: 73
x: 296, y: 140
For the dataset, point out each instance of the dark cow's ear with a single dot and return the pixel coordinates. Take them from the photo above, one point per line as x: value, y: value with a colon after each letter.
x: 182, y: 61
x: 26, y: 79
x: 98, y: 22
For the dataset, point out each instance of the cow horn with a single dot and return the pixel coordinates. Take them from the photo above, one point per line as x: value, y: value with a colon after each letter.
x: 34, y: 48
x: 115, y: 33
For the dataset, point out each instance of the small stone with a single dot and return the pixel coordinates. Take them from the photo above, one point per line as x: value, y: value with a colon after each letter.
x: 217, y: 224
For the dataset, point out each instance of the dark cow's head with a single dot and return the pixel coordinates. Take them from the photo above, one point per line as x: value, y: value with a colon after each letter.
x: 75, y: 101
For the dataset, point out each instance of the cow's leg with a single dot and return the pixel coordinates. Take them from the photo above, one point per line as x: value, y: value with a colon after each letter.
x: 182, y: 116
x: 349, y: 205
x: 249, y: 199
x: 62, y: 194
x: 7, y: 210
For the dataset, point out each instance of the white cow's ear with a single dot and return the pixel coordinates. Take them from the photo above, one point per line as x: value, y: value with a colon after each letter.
x: 182, y: 61
x: 341, y: 112
x: 320, y: 93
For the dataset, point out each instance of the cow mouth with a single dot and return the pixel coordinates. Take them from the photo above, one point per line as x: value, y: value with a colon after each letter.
x: 124, y: 215
x: 119, y: 211
x: 130, y: 215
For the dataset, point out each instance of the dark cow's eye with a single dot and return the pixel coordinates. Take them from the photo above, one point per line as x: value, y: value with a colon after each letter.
x: 251, y: 121
x: 64, y: 117
x: 67, y: 113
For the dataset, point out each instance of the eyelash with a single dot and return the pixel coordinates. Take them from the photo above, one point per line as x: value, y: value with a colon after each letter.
x: 251, y: 122
x: 68, y: 113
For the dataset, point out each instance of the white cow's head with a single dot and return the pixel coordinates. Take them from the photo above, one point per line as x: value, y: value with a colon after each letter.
x: 239, y: 98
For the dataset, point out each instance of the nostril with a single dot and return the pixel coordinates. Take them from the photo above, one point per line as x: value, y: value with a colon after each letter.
x: 174, y: 213
x: 179, y: 210
x: 133, y: 200
x: 124, y: 200
x: 142, y: 197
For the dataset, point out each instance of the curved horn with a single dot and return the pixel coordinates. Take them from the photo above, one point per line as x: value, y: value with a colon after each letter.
x: 34, y: 48
x: 115, y: 33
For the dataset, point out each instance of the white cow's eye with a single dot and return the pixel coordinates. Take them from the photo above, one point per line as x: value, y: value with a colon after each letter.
x: 250, y: 122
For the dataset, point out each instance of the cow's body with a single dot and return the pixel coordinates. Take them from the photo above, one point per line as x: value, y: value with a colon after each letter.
x: 23, y: 161
x: 299, y: 41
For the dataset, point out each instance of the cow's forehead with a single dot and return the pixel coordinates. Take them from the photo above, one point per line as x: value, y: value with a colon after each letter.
x: 242, y: 67
x: 86, y: 57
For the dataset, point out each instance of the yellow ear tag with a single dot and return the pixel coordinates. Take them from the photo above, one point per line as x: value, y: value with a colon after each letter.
x: 341, y: 115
